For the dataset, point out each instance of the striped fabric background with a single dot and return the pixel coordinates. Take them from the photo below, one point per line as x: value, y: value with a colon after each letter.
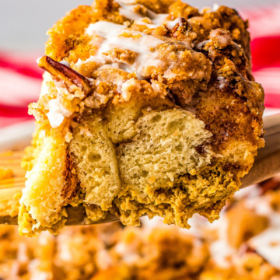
x: 21, y: 78
x: 265, y: 33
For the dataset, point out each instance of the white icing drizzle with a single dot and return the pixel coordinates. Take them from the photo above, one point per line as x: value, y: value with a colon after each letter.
x: 221, y: 250
x: 22, y: 253
x: 36, y: 272
x: 128, y: 252
x: 128, y: 12
x: 96, y: 59
x: 64, y: 251
x: 215, y: 7
x: 111, y: 36
x: 171, y: 24
x: 127, y: 2
x: 159, y: 19
x: 142, y: 22
x: 45, y: 88
x: 259, y: 205
x: 168, y: 74
x: 267, y: 244
x: 65, y: 63
x: 101, y: 28
x: 38, y: 59
x: 141, y: 44
x: 57, y: 112
x: 138, y: 42
x: 104, y: 259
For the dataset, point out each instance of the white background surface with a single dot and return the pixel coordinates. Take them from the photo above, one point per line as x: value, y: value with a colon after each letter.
x: 23, y: 23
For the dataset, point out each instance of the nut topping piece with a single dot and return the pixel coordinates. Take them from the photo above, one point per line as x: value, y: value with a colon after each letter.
x: 64, y: 73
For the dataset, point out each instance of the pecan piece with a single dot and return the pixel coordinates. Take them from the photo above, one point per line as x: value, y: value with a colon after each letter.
x: 61, y: 72
x: 181, y: 27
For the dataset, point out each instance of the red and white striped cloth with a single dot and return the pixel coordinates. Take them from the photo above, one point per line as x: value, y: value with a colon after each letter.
x: 265, y: 32
x: 20, y: 77
x: 20, y: 83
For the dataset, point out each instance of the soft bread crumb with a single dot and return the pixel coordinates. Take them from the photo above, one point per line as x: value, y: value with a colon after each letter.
x: 97, y: 167
x: 164, y: 148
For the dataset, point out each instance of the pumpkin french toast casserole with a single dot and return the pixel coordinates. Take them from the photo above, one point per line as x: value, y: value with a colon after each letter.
x: 148, y: 107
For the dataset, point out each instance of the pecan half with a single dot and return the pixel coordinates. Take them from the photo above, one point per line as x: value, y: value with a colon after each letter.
x: 61, y: 72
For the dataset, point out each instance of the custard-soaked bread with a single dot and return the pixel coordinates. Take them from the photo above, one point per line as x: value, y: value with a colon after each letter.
x: 149, y: 108
x: 96, y: 161
x: 163, y: 150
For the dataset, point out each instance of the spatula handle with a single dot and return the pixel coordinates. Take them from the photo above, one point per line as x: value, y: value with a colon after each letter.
x: 267, y: 163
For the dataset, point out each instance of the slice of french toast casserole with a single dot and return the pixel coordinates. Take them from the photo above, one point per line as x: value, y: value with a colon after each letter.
x: 148, y: 107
